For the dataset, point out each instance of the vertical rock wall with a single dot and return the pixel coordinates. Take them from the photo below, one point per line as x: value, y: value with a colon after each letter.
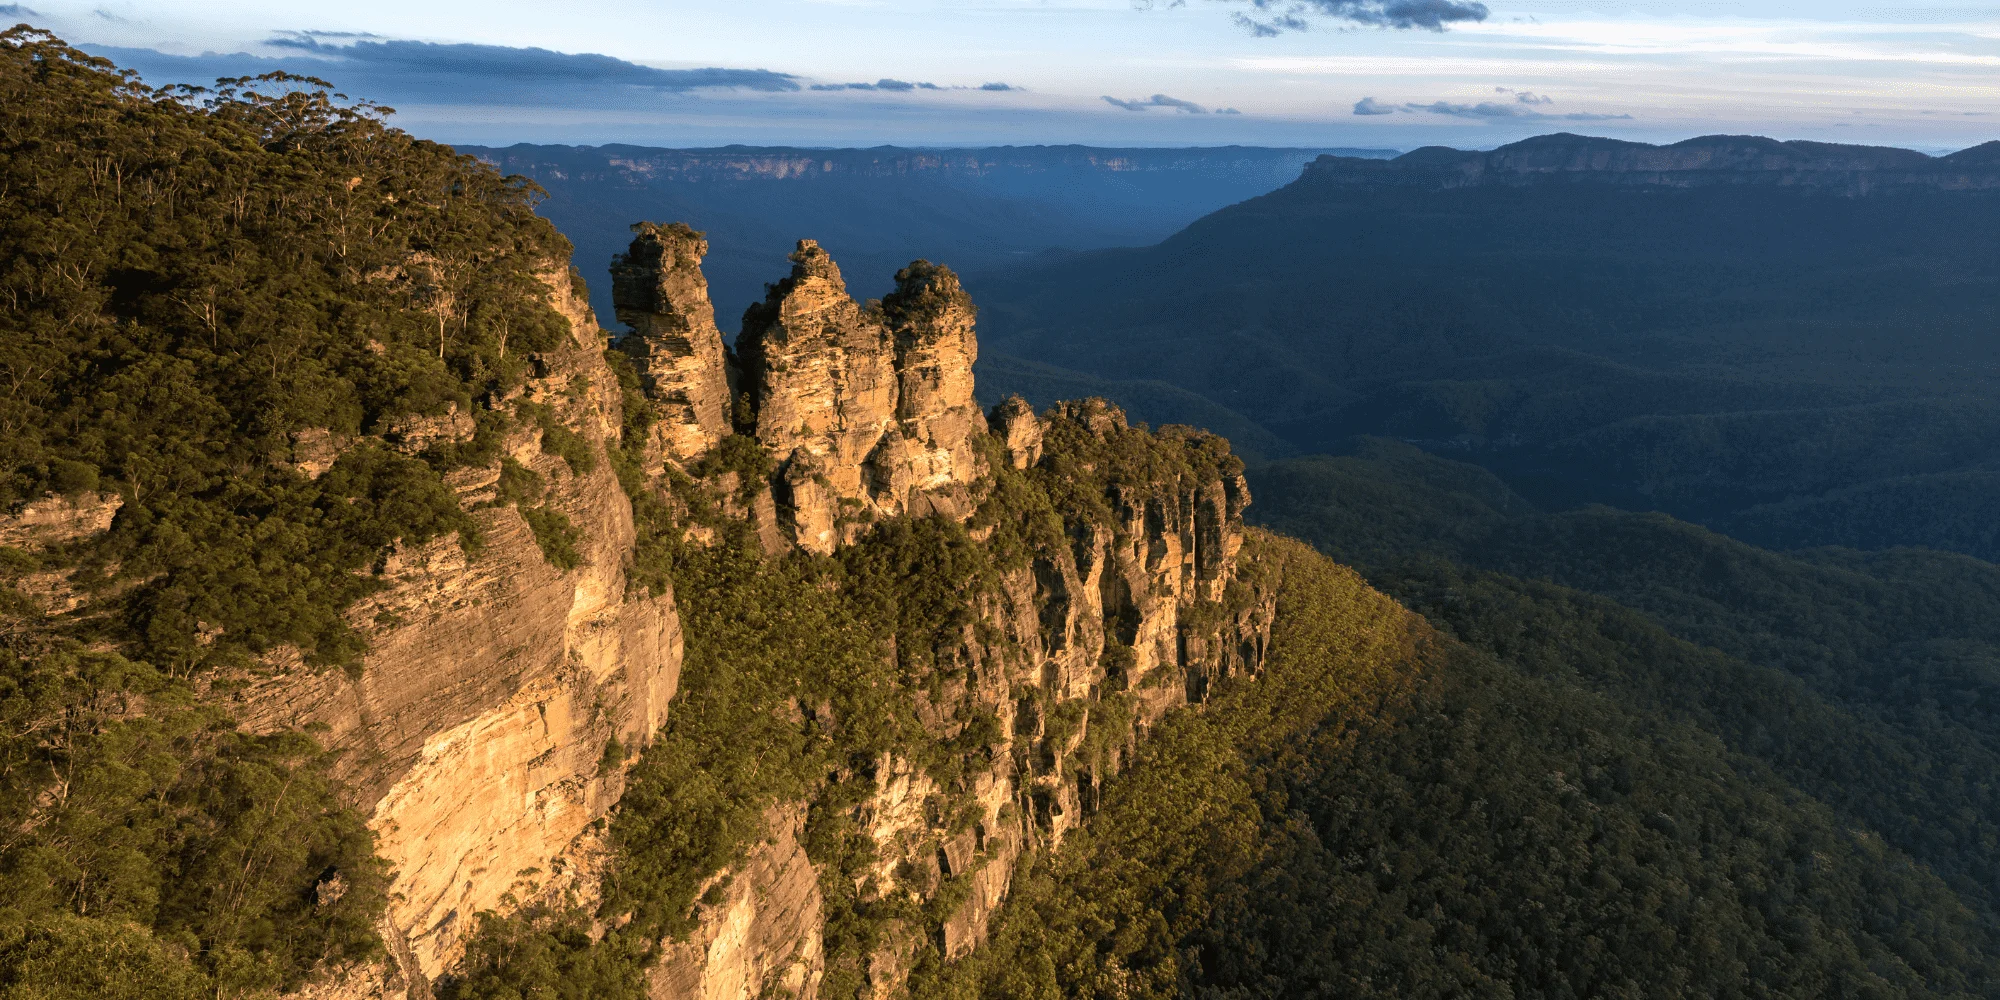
x: 475, y: 734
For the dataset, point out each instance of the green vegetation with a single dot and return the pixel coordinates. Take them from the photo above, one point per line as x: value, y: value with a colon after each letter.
x: 192, y: 279
x: 802, y: 676
x: 153, y: 846
x: 1865, y: 680
x: 199, y: 285
x: 1388, y: 814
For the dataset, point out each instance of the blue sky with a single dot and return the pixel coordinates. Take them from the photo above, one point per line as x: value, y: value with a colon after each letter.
x: 1280, y: 72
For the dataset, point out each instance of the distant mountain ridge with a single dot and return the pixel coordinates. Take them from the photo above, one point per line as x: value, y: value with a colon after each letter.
x: 739, y: 162
x: 1707, y: 160
x: 1791, y: 341
x: 880, y: 208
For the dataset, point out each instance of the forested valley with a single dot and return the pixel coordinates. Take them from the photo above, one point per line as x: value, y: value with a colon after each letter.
x: 1421, y: 730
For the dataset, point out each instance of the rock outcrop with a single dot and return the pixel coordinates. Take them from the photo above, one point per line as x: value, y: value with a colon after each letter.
x: 659, y: 291
x: 1019, y: 430
x: 475, y: 733
x: 54, y: 519
x: 868, y: 410
x: 483, y: 734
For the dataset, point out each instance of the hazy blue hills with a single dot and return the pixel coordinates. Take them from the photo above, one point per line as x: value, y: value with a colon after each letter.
x: 877, y: 209
x: 1791, y: 341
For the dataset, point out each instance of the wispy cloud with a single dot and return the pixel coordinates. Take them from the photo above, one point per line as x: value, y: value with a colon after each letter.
x: 1157, y: 101
x: 1517, y: 111
x: 1275, y: 17
x: 895, y: 86
x: 1525, y: 96
x: 519, y: 65
x: 1524, y: 107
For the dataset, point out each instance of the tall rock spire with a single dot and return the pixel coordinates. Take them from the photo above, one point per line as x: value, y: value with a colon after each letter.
x: 868, y: 410
x: 659, y: 291
x: 930, y: 316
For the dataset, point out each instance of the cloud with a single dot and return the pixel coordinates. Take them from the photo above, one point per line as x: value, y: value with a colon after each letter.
x: 1157, y: 101
x: 1518, y: 111
x: 1275, y: 17
x: 998, y: 86
x: 16, y: 10
x: 1370, y: 106
x: 1525, y: 96
x: 436, y: 61
x: 1227, y: 111
x: 897, y: 86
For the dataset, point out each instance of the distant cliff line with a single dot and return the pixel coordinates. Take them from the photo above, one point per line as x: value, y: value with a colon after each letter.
x: 1714, y: 160
x: 773, y: 163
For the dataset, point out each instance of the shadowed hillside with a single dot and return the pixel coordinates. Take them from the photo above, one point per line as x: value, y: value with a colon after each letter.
x: 1792, y: 341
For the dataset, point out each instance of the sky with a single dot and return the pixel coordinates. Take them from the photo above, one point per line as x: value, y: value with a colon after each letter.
x: 1358, y: 73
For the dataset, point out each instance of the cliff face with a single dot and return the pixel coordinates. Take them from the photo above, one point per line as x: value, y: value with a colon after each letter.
x: 1075, y: 653
x: 867, y: 413
x: 479, y: 734
x: 475, y: 732
x: 1701, y: 162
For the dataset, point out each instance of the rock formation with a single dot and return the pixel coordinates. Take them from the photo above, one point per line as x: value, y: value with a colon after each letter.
x: 659, y: 291
x: 869, y: 411
x: 474, y: 734
x: 53, y: 520
x: 1019, y: 430
x: 477, y: 733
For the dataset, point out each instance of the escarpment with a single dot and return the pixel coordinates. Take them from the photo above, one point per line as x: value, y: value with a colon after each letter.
x: 475, y: 731
x: 999, y: 605
x: 1702, y: 162
x: 1088, y: 576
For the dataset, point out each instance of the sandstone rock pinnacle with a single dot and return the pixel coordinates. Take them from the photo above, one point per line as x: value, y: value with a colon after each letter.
x: 870, y: 409
x: 659, y: 291
x: 1014, y: 421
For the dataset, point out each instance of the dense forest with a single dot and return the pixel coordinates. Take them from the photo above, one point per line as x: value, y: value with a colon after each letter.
x: 1444, y: 820
x: 1793, y: 348
x: 1522, y: 749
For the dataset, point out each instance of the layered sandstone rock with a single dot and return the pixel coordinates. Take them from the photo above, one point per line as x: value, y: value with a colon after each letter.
x: 475, y: 734
x: 762, y: 938
x: 659, y: 291
x: 868, y: 411
x: 54, y: 520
